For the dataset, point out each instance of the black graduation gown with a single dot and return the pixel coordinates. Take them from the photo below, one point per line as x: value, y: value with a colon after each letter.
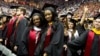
x: 80, y: 28
x: 66, y: 38
x: 23, y: 23
x: 3, y: 34
x: 65, y: 43
x: 26, y: 42
x: 56, y: 44
x: 80, y: 43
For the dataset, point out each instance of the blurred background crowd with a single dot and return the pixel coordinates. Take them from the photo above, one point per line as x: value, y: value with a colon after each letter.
x: 73, y: 6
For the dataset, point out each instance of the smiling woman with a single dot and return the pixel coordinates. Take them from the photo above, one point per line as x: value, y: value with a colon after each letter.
x: 52, y: 38
x: 48, y: 15
x: 32, y: 34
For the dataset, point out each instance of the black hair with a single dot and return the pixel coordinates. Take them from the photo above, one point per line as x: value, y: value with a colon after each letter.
x: 54, y: 14
x: 42, y: 21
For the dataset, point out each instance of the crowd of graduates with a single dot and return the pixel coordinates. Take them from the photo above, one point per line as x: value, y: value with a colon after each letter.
x: 43, y: 33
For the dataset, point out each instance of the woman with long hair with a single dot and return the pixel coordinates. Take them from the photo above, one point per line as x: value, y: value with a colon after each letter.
x: 51, y: 41
x: 32, y: 33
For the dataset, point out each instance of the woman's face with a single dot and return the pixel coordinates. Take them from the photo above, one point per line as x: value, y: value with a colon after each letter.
x: 36, y: 20
x: 48, y: 15
x: 70, y: 25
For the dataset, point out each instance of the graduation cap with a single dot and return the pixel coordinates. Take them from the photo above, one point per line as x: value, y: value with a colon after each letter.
x: 7, y: 17
x: 36, y: 12
x: 4, y: 15
x: 28, y: 18
x: 97, y: 16
x: 49, y: 6
x: 73, y: 21
x: 69, y: 13
x: 12, y: 7
x: 63, y: 15
x: 88, y: 21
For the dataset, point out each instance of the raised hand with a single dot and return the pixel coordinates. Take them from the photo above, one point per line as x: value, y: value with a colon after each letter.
x: 85, y: 8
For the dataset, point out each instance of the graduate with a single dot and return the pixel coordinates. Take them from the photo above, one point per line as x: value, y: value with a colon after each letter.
x: 20, y: 25
x: 31, y: 35
x: 51, y: 42
x: 72, y: 31
x: 4, y: 19
x: 11, y: 26
x: 76, y: 28
x: 3, y: 28
x: 89, y: 41
x: 64, y: 20
x: 69, y: 16
x: 81, y: 23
